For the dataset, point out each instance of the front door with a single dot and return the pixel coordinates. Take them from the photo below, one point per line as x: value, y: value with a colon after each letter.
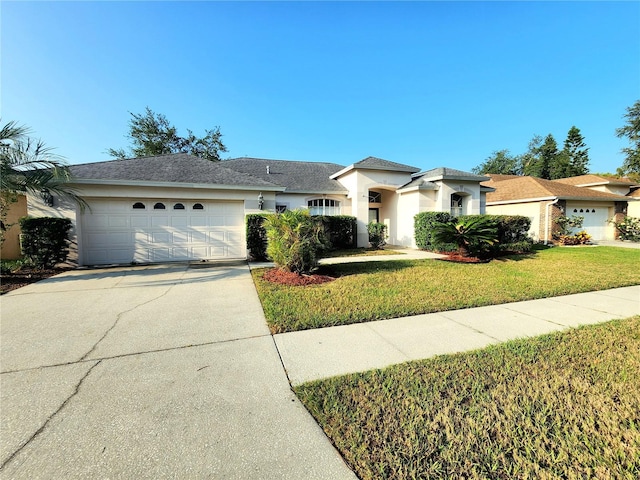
x: 374, y: 215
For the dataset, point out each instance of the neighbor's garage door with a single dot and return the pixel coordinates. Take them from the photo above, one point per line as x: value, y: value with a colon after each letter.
x: 125, y: 231
x: 595, y: 218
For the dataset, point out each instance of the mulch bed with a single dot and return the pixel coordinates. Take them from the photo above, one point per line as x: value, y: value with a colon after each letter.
x: 26, y: 276
x: 456, y: 257
x: 282, y: 277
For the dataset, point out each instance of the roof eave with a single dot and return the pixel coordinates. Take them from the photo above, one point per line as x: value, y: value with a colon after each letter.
x: 143, y: 183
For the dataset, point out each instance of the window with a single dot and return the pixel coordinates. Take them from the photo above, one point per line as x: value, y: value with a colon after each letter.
x: 375, y: 197
x: 178, y: 206
x: 324, y: 206
x: 456, y: 205
x: 198, y: 206
x: 281, y: 208
x: 159, y: 206
x: 139, y: 206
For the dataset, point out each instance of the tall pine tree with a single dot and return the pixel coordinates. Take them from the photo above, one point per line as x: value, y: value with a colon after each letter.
x: 577, y: 154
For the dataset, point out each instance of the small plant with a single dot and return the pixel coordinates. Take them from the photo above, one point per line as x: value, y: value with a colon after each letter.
x: 377, y: 235
x: 469, y: 234
x: 294, y: 240
x: 256, y: 236
x: 565, y: 225
x: 580, y: 238
x: 628, y: 229
x: 45, y: 240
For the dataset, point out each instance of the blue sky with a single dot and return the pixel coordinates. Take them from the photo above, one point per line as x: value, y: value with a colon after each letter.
x: 423, y: 83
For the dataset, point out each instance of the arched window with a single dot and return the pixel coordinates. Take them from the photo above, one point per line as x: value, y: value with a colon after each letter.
x: 139, y: 206
x: 159, y: 206
x: 456, y: 205
x: 178, y: 206
x: 375, y: 197
x: 198, y: 206
x: 324, y: 206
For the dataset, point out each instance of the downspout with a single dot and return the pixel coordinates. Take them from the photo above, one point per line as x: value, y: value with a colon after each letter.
x: 546, y: 223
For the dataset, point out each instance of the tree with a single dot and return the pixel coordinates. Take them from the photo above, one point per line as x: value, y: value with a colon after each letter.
x: 631, y: 131
x: 152, y: 134
x: 531, y: 158
x: 576, y: 154
x: 500, y: 162
x: 29, y: 166
x: 541, y: 157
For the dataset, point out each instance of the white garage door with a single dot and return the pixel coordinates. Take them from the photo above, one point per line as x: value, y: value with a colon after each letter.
x: 160, y: 230
x: 595, y: 219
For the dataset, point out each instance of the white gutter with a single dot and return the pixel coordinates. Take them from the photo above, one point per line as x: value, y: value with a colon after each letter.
x: 546, y: 223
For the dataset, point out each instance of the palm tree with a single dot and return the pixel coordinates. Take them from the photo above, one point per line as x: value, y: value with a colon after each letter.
x: 466, y: 233
x: 29, y: 166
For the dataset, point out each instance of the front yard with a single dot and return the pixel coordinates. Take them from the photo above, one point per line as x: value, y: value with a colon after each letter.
x: 564, y: 405
x: 379, y: 290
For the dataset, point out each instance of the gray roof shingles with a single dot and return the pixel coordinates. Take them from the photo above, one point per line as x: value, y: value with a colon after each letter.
x: 375, y: 163
x: 174, y: 168
x: 307, y: 177
x: 451, y: 173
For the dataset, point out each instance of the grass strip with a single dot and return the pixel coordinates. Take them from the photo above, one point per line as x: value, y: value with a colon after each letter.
x: 564, y: 405
x: 369, y: 291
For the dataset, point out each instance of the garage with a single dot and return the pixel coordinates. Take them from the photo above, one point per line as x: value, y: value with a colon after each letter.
x: 119, y: 231
x: 596, y: 218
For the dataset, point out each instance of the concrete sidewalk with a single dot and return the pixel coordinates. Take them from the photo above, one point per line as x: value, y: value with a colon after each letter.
x: 315, y: 354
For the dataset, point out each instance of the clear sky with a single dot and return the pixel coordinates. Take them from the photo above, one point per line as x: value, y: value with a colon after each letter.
x: 423, y: 83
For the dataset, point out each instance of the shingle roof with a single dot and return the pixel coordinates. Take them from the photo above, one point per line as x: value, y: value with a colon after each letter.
x: 307, y: 177
x: 497, y: 177
x: 375, y: 163
x: 522, y: 188
x: 591, y: 179
x: 634, y: 194
x: 449, y: 174
x: 174, y: 168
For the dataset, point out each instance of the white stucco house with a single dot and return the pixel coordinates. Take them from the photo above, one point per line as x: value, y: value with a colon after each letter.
x: 599, y: 200
x: 179, y: 207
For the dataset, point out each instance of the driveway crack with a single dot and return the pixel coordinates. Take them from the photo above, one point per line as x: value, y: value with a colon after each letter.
x: 51, y: 417
x: 118, y: 317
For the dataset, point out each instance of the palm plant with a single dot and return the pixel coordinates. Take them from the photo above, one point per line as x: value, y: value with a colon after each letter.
x: 29, y: 166
x: 466, y: 233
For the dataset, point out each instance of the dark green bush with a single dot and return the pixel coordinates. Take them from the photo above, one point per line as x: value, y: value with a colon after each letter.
x: 340, y: 230
x: 377, y: 235
x: 256, y: 236
x: 423, y: 228
x: 513, y: 233
x: 45, y: 240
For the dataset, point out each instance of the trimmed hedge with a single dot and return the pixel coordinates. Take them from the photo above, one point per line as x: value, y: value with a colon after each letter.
x: 340, y: 230
x: 377, y: 235
x: 45, y: 240
x: 423, y: 226
x: 257, y: 236
x: 513, y: 232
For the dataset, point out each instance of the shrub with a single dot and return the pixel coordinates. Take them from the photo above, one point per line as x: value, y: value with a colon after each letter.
x: 629, y: 229
x: 468, y: 233
x: 340, y: 230
x: 377, y: 235
x: 566, y: 225
x: 45, y: 240
x: 423, y: 227
x: 256, y: 236
x: 294, y: 240
x: 512, y: 234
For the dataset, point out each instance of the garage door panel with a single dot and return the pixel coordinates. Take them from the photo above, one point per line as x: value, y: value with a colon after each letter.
x: 596, y: 219
x: 115, y: 232
x: 139, y: 221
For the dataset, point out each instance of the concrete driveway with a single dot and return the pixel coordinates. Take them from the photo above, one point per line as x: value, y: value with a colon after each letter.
x: 150, y: 372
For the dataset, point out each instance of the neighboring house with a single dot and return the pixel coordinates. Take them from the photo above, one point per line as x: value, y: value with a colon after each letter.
x: 634, y: 206
x: 597, y: 199
x: 10, y: 249
x: 180, y: 207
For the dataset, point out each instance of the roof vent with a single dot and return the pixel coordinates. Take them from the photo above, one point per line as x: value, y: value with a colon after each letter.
x: 268, y: 171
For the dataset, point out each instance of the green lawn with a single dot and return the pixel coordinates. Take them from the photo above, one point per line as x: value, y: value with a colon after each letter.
x: 388, y: 289
x: 565, y: 405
